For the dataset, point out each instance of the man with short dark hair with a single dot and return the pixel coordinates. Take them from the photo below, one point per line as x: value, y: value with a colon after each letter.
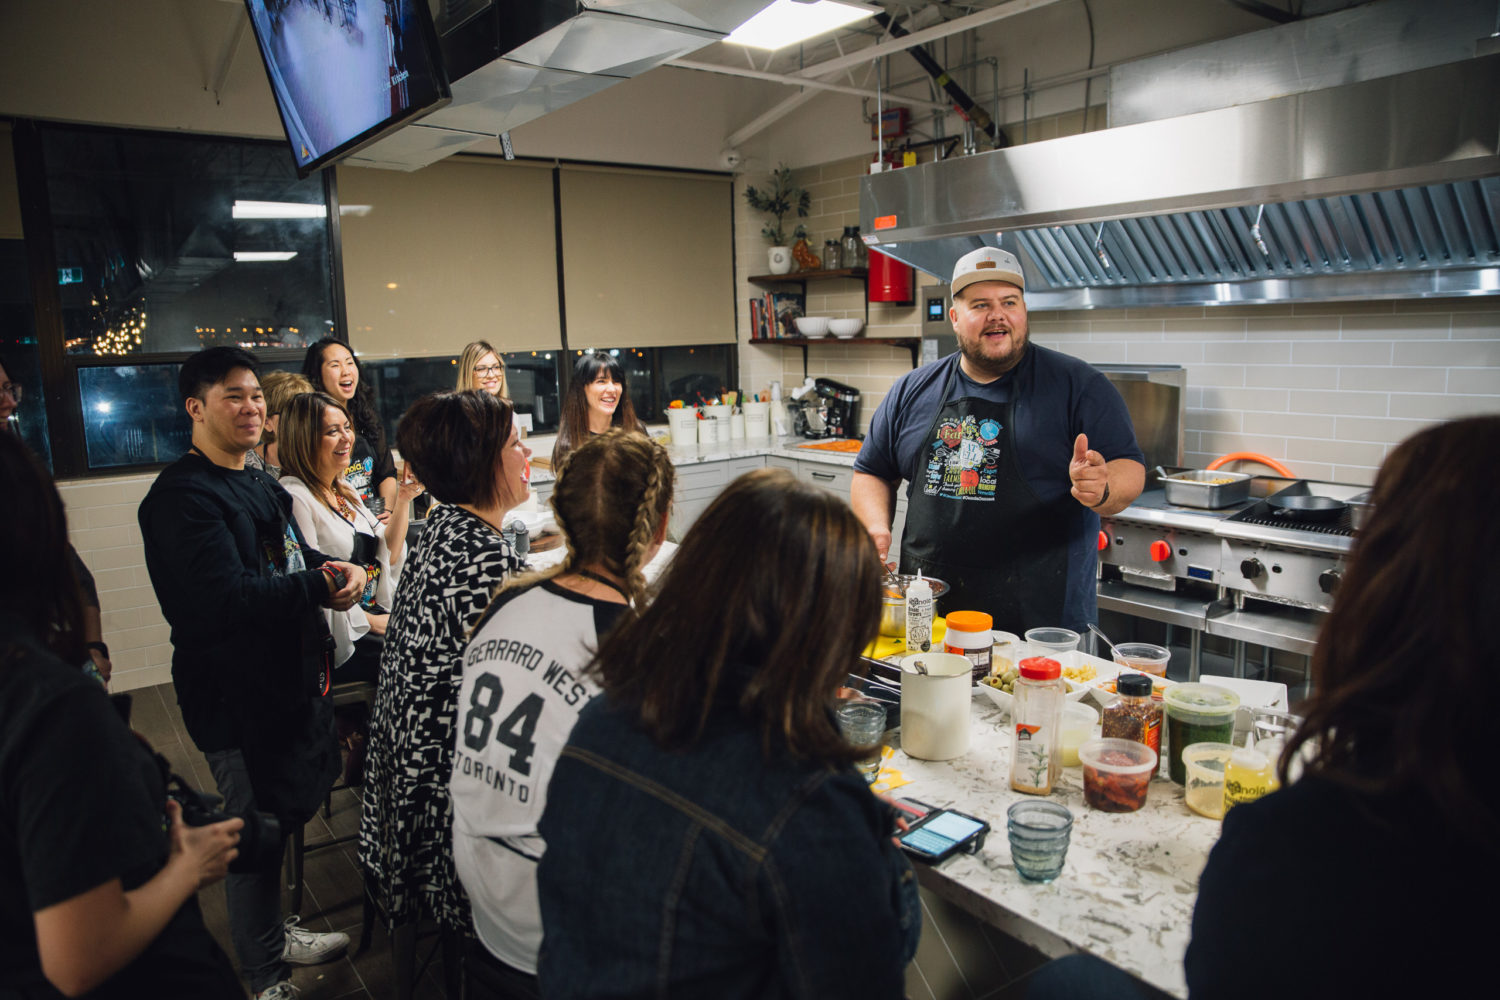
x: 250, y: 658
x: 1012, y: 452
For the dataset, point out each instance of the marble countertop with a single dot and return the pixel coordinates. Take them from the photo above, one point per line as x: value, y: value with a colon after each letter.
x: 1127, y: 889
x: 697, y: 454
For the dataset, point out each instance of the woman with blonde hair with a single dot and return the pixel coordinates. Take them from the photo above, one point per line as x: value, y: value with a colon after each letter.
x: 315, y: 441
x: 612, y: 498
x: 278, y: 388
x: 480, y: 367
x: 707, y: 833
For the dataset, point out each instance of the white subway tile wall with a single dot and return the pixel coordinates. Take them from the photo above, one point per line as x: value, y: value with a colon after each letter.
x: 1325, y: 388
x: 104, y: 530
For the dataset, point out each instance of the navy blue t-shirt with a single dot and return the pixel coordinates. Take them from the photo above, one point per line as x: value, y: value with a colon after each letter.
x: 1058, y: 397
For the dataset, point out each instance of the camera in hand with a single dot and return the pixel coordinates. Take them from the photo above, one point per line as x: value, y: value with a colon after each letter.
x: 260, y: 837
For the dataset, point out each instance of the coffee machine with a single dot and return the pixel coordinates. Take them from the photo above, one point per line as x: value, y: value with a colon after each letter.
x: 829, y: 410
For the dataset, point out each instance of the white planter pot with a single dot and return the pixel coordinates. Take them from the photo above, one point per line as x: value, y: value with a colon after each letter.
x: 779, y: 259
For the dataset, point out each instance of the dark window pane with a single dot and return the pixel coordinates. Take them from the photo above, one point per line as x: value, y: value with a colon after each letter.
x: 531, y: 380
x: 132, y: 416
x: 174, y: 243
x: 694, y: 374
x: 18, y: 353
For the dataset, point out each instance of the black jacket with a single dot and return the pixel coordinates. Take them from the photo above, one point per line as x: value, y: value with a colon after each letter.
x: 244, y: 634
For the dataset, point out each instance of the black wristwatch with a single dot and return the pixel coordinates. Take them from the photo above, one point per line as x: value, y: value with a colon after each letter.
x: 1102, y: 500
x: 101, y: 647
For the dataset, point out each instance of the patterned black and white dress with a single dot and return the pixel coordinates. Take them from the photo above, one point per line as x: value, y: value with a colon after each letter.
x: 405, y: 834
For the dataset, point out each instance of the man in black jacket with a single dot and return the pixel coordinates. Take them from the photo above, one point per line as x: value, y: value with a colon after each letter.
x: 250, y: 658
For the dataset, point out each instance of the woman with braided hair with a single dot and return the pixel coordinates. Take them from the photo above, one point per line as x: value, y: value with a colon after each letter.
x: 523, y: 683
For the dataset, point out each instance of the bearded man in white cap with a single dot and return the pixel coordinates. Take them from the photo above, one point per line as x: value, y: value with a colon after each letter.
x: 1012, y: 452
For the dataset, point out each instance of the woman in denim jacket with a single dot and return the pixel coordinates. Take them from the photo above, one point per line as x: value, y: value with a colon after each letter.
x: 707, y: 834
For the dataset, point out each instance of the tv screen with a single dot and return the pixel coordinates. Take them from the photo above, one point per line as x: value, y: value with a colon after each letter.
x: 346, y: 72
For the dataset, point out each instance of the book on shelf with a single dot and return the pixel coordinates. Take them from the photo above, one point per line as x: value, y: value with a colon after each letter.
x: 786, y: 307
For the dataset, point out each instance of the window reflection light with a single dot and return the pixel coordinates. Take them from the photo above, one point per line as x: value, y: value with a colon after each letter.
x: 787, y: 22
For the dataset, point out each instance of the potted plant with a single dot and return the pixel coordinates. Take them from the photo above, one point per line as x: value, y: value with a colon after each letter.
x: 778, y: 201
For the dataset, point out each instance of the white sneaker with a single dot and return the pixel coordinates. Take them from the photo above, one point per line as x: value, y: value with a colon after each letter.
x: 281, y: 991
x: 305, y: 947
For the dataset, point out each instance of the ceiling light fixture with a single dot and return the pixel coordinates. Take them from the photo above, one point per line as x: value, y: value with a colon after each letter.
x: 277, y: 210
x: 242, y: 256
x: 787, y: 22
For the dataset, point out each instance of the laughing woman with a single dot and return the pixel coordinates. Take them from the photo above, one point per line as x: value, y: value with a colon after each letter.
x: 331, y: 367
x: 464, y: 449
x: 596, y: 401
x: 480, y: 367
x: 315, y: 443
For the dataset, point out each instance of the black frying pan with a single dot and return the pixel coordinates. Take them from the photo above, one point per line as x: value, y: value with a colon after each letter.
x: 1308, y: 508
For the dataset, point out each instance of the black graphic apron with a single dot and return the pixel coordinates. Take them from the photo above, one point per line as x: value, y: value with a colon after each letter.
x: 973, y: 520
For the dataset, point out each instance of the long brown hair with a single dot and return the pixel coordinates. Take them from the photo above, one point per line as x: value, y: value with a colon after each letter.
x: 765, y: 606
x: 612, y: 494
x: 297, y: 450
x: 470, y: 358
x: 40, y: 585
x: 1403, y: 674
x: 573, y: 425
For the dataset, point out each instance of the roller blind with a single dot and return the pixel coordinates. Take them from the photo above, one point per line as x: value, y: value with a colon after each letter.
x: 647, y: 258
x: 10, y: 199
x: 460, y: 250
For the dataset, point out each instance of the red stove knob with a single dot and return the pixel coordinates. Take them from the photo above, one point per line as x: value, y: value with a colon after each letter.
x: 1160, y: 551
x: 1103, y: 541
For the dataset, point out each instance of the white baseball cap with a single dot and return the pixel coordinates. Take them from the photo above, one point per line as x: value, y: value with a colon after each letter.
x: 986, y: 264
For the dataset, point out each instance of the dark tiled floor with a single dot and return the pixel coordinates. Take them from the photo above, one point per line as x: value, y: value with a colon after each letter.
x: 333, y: 889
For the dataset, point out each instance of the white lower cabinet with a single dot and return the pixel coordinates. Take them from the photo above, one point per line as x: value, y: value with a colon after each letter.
x: 697, y: 485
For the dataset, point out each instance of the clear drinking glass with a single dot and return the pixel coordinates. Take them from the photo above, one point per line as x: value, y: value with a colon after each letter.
x: 862, y: 721
x: 1039, y: 834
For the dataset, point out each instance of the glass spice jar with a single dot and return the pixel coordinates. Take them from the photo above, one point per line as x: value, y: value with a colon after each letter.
x: 1134, y: 715
x: 832, y: 255
x: 1036, y: 726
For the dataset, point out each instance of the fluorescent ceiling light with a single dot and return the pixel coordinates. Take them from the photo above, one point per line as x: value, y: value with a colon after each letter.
x: 249, y: 255
x: 787, y: 22
x: 277, y: 210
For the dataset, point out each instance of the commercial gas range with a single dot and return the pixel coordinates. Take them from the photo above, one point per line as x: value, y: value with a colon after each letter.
x: 1248, y: 572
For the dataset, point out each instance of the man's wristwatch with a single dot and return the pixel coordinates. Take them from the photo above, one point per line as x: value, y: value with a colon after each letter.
x: 1102, y: 500
x: 100, y: 647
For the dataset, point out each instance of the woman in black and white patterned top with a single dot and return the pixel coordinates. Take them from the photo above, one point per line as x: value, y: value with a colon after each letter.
x: 463, y: 446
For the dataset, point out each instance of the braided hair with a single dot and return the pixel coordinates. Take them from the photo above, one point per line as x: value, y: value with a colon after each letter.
x: 613, y: 492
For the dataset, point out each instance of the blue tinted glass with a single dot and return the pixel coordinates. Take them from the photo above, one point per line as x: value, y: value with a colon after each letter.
x: 132, y: 416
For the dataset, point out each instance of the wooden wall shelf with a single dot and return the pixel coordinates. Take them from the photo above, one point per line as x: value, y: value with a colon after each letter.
x: 912, y: 344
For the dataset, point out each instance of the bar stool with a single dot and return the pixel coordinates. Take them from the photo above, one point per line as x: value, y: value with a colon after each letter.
x: 350, y: 693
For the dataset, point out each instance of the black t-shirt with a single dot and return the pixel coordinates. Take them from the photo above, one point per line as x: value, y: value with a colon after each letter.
x: 367, y: 468
x: 82, y: 803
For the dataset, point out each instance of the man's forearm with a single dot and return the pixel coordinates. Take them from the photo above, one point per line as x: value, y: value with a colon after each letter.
x: 874, y: 502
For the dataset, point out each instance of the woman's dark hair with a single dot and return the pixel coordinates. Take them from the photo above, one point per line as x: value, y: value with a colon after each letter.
x: 40, y: 586
x: 1402, y: 671
x: 613, y: 494
x: 362, y: 407
x: 766, y: 606
x: 209, y: 367
x: 453, y: 441
x: 573, y: 425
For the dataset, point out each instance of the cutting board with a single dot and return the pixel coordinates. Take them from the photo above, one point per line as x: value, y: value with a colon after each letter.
x: 885, y: 646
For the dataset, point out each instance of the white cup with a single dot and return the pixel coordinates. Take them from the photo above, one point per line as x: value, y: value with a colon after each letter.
x: 708, y: 431
x: 935, y: 705
x: 684, y: 425
x: 757, y: 420
x: 720, y: 410
x: 737, y: 426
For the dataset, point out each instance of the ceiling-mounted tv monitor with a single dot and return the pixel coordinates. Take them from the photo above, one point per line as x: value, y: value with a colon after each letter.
x: 346, y: 72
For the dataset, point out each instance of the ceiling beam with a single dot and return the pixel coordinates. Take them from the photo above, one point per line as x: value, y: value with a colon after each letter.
x: 793, y: 81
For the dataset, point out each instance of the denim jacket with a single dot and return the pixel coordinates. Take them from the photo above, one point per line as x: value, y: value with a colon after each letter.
x: 716, y: 872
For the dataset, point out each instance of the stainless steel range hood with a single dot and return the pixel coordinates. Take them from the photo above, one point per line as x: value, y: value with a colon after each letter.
x: 512, y: 61
x: 1374, y: 189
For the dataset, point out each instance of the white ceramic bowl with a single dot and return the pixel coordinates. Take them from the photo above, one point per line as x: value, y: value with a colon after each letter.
x: 845, y: 328
x: 812, y: 326
x: 1003, y: 700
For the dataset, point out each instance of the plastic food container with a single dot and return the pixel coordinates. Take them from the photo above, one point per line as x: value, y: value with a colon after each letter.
x: 1116, y: 774
x: 1079, y: 725
x: 969, y: 635
x: 1203, y: 764
x: 1206, y: 490
x: 1143, y: 656
x: 1196, y: 713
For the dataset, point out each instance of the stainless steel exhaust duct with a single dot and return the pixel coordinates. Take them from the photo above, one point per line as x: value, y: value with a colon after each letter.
x: 1377, y: 188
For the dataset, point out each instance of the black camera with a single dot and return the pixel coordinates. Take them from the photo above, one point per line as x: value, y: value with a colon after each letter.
x: 260, y: 837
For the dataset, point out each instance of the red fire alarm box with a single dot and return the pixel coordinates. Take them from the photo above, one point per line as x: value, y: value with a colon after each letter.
x: 893, y: 123
x: 890, y: 280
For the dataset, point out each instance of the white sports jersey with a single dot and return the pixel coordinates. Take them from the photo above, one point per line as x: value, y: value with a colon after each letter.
x: 522, y: 691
